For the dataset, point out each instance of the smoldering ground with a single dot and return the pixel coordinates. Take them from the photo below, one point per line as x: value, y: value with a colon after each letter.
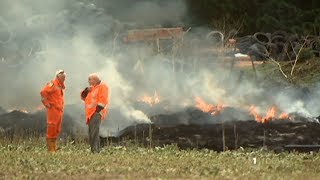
x: 81, y: 37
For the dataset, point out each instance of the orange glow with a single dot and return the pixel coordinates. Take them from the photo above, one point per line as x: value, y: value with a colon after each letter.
x: 253, y: 110
x: 272, y: 114
x: 284, y: 116
x: 209, y: 108
x: 151, y: 100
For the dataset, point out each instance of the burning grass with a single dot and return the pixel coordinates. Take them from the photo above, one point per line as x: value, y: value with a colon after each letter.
x: 272, y: 114
x: 215, y: 110
x: 209, y: 108
x: 29, y: 159
x: 150, y: 100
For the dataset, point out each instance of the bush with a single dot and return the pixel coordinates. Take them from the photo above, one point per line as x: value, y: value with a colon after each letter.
x: 260, y: 15
x: 305, y: 54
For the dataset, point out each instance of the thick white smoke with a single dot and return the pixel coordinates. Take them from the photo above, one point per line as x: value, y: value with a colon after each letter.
x: 37, y: 37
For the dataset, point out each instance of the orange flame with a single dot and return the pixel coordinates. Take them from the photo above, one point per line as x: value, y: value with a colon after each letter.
x: 253, y: 110
x: 272, y: 114
x: 284, y: 116
x: 151, y: 100
x: 156, y: 98
x: 209, y: 108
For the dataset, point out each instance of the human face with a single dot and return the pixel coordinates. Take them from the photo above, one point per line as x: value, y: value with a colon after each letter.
x: 92, y: 81
x: 61, y: 77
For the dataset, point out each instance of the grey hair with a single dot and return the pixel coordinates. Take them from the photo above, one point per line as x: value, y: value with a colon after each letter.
x: 95, y: 75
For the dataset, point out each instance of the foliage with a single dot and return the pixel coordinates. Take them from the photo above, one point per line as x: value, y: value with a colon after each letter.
x: 257, y: 15
x: 306, y: 54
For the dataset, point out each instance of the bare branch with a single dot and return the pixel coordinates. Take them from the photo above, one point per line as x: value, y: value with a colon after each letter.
x: 294, y: 51
x: 277, y: 63
x: 288, y: 55
x: 280, y: 68
x: 116, y: 34
x: 297, y: 55
x: 30, y: 52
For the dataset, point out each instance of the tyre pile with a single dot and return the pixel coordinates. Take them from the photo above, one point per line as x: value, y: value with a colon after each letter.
x: 280, y: 45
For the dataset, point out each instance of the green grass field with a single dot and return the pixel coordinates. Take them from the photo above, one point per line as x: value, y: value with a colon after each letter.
x: 30, y: 160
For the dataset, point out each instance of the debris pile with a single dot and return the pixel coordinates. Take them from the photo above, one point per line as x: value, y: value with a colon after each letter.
x: 280, y: 45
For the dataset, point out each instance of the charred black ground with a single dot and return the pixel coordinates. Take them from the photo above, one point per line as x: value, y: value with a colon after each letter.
x: 189, y: 128
x: 195, y: 129
x: 247, y: 134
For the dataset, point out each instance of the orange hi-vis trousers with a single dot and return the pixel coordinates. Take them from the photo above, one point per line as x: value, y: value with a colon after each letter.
x: 54, y: 122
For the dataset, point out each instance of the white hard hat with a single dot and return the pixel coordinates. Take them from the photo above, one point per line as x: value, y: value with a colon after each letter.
x: 60, y: 71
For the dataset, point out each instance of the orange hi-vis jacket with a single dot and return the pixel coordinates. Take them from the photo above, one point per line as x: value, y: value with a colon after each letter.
x: 98, y: 96
x: 53, y: 94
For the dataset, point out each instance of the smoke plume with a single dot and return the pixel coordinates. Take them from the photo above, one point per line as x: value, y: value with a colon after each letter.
x: 37, y: 37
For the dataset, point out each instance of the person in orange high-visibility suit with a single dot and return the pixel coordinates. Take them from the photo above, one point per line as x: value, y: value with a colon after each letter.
x: 53, y: 99
x: 96, y: 98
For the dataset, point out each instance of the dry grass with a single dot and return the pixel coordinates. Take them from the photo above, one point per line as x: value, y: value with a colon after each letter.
x: 306, y: 74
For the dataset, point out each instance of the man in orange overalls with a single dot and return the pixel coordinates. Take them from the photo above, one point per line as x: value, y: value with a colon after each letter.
x: 96, y: 98
x: 53, y: 99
